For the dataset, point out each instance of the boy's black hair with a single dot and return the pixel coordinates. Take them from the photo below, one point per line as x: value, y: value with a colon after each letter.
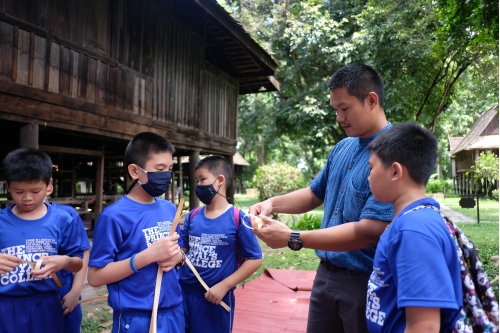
x: 410, y: 145
x: 359, y: 80
x: 27, y: 165
x: 143, y: 145
x: 217, y: 165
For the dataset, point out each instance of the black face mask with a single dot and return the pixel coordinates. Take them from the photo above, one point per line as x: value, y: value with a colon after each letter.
x: 158, y: 182
x: 206, y: 193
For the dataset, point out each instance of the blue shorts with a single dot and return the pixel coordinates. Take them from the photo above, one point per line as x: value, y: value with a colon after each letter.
x: 73, y: 320
x: 205, y: 317
x: 168, y: 321
x: 41, y: 313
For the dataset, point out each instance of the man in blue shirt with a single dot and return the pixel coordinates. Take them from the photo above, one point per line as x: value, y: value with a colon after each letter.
x: 353, y: 220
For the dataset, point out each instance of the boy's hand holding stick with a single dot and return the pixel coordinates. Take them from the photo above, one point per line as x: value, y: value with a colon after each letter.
x: 159, y: 274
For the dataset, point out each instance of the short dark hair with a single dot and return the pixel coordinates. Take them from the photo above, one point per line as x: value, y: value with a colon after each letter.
x: 409, y: 144
x: 27, y: 165
x: 216, y: 165
x: 143, y: 145
x: 359, y: 80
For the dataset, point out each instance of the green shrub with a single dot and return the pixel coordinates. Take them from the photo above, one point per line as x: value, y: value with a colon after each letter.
x: 307, y: 222
x: 277, y: 179
x: 437, y: 185
x: 494, y: 194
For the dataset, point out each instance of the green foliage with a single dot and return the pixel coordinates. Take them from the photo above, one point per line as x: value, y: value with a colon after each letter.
x: 307, y: 222
x: 486, y: 169
x: 438, y: 59
x: 494, y: 194
x: 277, y: 179
x: 435, y: 185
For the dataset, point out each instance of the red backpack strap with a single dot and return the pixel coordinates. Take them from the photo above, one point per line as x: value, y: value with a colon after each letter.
x: 236, y: 213
x: 195, y: 211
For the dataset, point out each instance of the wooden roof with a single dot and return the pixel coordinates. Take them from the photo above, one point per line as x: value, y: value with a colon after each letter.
x: 477, y: 138
x: 232, y: 49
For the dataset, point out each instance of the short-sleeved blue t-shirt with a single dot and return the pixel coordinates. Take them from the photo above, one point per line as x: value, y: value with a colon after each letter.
x: 343, y: 186
x: 127, y: 227
x: 56, y: 233
x: 416, y: 265
x: 212, y: 247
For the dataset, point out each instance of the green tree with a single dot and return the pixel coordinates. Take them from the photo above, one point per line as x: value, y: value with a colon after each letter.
x: 486, y: 170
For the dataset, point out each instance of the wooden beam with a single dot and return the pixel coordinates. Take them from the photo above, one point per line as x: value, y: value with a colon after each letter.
x: 71, y: 151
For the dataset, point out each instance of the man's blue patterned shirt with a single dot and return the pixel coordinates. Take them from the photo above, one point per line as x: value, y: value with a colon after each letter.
x: 343, y: 186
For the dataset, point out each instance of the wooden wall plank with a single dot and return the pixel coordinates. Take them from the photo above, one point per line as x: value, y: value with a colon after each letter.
x: 146, y: 96
x: 83, y: 72
x: 39, y: 51
x: 6, y: 50
x: 133, y: 19
x: 55, y: 63
x: 91, y: 83
x: 101, y: 83
x: 75, y: 64
x: 64, y: 12
x: 135, y: 100
x: 65, y: 71
x: 32, y: 11
x: 128, y: 92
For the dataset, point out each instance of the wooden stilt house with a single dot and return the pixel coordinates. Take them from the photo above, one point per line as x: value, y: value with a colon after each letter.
x: 78, y: 79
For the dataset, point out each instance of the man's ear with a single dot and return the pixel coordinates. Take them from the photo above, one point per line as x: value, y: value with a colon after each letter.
x: 133, y: 171
x: 397, y: 171
x: 372, y: 98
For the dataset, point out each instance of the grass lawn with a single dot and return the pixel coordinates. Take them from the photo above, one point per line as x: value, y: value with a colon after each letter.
x: 488, y: 208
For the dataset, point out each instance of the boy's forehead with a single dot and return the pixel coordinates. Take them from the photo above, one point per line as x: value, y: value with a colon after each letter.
x: 158, y: 159
x: 27, y: 185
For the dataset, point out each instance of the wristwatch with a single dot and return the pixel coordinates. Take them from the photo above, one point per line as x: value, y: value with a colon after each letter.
x: 294, y: 243
x: 183, y: 260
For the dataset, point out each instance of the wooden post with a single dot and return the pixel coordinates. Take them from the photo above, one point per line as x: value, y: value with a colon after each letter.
x: 28, y: 136
x: 194, y: 157
x: 99, y: 183
x: 230, y: 190
x: 180, y: 184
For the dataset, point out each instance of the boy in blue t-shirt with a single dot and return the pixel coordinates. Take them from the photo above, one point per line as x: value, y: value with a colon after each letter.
x: 212, y: 241
x: 32, y: 231
x: 131, y: 241
x: 73, y: 283
x: 415, y: 285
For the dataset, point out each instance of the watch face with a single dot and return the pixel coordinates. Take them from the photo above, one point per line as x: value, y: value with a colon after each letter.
x: 295, y: 244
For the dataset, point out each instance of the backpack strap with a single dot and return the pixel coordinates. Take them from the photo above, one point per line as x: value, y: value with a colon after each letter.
x: 194, y: 212
x: 236, y: 213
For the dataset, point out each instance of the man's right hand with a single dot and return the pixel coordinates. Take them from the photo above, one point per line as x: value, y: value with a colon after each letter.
x: 8, y: 262
x: 264, y: 208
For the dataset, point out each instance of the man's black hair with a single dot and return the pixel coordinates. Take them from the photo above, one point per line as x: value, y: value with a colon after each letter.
x: 359, y: 80
x: 410, y: 145
x: 142, y: 147
x: 217, y: 165
x: 27, y: 165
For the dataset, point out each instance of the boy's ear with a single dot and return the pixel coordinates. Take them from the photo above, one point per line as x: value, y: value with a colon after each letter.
x: 221, y: 179
x: 50, y: 188
x: 397, y: 171
x: 133, y: 171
